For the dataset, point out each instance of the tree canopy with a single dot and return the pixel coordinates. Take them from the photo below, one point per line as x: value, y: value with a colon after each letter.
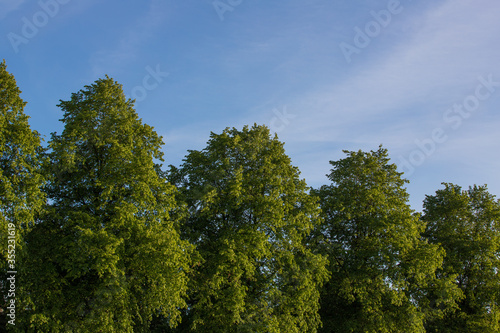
x: 466, y: 223
x: 107, y: 254
x: 21, y: 178
x: 381, y: 267
x: 250, y: 216
x: 20, y: 162
x: 98, y: 237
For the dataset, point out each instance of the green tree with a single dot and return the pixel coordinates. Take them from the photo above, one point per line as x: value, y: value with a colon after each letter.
x: 467, y: 224
x: 107, y: 256
x: 250, y: 216
x: 21, y: 198
x: 381, y: 268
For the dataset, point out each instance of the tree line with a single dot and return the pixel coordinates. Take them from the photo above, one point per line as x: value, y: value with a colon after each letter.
x: 232, y: 240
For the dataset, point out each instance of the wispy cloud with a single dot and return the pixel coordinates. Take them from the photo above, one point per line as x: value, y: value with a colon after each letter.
x: 9, y: 6
x: 435, y: 65
x: 403, y: 95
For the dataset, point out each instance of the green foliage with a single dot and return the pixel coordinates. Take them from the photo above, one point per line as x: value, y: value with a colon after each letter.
x: 21, y: 198
x: 467, y: 224
x: 381, y: 268
x: 104, y: 243
x: 107, y: 255
x: 20, y: 162
x: 249, y: 217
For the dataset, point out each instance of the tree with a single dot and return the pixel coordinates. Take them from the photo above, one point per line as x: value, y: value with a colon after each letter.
x: 381, y: 268
x: 467, y: 224
x: 21, y: 178
x: 249, y: 217
x: 107, y: 255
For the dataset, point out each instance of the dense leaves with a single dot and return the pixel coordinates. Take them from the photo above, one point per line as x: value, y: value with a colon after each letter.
x: 20, y: 162
x: 107, y: 253
x: 467, y: 224
x: 381, y: 267
x: 249, y: 216
x: 21, y: 198
x: 232, y: 240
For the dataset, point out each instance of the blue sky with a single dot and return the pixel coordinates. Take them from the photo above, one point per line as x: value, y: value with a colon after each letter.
x: 422, y: 78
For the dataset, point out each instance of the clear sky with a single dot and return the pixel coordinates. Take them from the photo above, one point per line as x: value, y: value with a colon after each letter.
x: 420, y: 77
